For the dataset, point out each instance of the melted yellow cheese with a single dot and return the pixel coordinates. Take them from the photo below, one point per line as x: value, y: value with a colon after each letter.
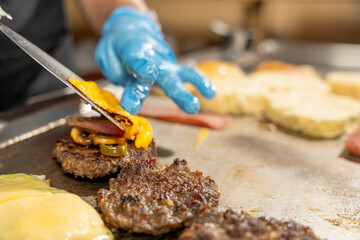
x: 31, y: 209
x: 201, y: 136
x: 106, y: 100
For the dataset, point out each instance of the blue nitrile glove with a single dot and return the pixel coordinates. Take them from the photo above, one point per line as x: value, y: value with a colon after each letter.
x: 133, y: 53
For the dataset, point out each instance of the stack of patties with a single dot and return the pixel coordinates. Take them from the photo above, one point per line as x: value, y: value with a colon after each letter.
x: 96, y: 147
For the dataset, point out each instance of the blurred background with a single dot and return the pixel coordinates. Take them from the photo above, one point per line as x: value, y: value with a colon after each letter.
x: 317, y: 32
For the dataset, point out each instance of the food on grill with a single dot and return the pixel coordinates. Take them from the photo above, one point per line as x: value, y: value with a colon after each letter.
x: 313, y: 114
x: 275, y: 82
x: 97, y: 147
x: 97, y: 124
x: 279, y: 76
x: 31, y: 209
x: 87, y: 161
x: 234, y: 95
x: 90, y: 151
x: 176, y: 115
x: 344, y: 83
x: 147, y: 198
x: 218, y: 70
x: 226, y: 225
x: 241, y: 94
x: 135, y: 127
x: 304, y: 71
x: 241, y: 97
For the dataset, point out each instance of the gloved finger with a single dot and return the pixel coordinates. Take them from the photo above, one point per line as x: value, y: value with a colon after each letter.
x: 109, y: 62
x: 134, y: 95
x: 193, y: 76
x: 175, y: 89
x: 134, y: 46
x: 142, y: 68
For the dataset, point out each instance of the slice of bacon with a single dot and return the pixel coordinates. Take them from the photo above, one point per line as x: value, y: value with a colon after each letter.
x: 352, y: 142
x: 97, y: 124
x: 176, y: 115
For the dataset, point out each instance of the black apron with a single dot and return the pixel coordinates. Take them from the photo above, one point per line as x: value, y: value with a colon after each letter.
x: 43, y: 23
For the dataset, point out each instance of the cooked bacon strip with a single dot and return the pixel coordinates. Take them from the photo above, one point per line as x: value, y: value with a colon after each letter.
x: 96, y: 124
x: 176, y: 115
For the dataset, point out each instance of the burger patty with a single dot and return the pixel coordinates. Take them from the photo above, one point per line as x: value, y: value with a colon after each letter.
x: 87, y: 161
x: 227, y: 225
x: 146, y: 198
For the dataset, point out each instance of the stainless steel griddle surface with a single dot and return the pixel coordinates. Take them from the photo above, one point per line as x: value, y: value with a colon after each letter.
x: 277, y: 174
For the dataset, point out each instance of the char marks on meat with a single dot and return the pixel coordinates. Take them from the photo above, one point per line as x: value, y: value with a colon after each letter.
x: 147, y: 198
x: 86, y: 161
x: 228, y: 225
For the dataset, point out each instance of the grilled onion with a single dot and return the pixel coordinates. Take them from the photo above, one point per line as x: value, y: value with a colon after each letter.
x: 80, y: 136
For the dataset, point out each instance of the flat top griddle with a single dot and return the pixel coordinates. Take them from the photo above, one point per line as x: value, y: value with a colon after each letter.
x: 268, y: 173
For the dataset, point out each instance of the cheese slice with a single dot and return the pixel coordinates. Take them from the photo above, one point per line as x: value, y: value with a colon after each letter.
x: 31, y: 209
x: 135, y: 127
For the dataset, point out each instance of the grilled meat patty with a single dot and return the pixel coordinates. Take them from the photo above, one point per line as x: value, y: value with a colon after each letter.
x: 86, y: 161
x: 228, y: 225
x: 147, y: 198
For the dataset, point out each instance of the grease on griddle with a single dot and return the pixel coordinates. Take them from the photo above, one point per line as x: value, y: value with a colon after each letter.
x: 265, y: 124
x: 349, y: 156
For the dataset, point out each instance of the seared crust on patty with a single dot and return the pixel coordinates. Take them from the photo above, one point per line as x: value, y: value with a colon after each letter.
x: 86, y: 161
x: 215, y: 224
x: 146, y: 198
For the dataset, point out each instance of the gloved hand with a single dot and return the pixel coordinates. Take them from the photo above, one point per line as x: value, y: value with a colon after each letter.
x: 133, y: 53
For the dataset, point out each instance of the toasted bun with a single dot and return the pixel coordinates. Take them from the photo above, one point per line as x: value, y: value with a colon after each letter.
x: 234, y: 95
x: 236, y: 98
x: 217, y: 70
x: 282, y: 81
x: 344, y: 83
x: 305, y: 71
x: 321, y: 115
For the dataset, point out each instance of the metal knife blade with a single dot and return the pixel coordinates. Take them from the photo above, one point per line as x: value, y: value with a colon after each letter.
x: 53, y: 66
